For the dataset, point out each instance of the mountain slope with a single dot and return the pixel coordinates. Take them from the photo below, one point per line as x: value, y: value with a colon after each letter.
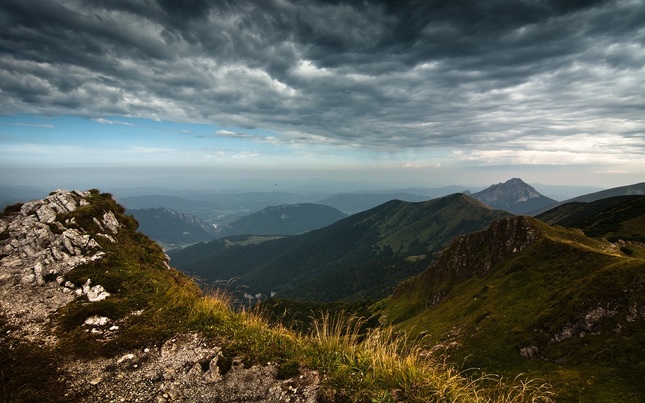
x: 630, y: 190
x: 351, y: 203
x: 514, y: 196
x: 363, y: 255
x: 170, y: 228
x: 523, y: 296
x: 288, y: 219
x: 619, y: 217
x: 91, y: 312
x: 635, y: 189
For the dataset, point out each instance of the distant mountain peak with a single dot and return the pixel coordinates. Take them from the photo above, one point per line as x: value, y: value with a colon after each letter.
x: 515, y: 196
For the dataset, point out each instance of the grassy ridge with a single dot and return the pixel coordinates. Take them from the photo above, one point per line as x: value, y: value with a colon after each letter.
x: 620, y: 217
x: 562, y: 309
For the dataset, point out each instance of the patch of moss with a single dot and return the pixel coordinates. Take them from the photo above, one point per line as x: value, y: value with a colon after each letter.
x: 12, y: 209
x: 288, y: 369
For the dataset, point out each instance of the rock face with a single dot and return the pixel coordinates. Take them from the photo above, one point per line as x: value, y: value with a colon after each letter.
x: 36, y: 251
x: 40, y: 244
x: 473, y: 255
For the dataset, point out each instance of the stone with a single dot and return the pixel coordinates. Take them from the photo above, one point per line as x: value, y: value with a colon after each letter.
x: 97, y: 320
x: 30, y: 207
x: 529, y: 352
x: 66, y: 200
x: 28, y: 279
x: 127, y: 357
x: 56, y: 253
x: 97, y: 293
x: 46, y: 214
x: 110, y: 222
x: 38, y: 272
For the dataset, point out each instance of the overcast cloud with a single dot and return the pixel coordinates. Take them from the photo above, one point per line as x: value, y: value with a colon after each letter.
x: 508, y: 81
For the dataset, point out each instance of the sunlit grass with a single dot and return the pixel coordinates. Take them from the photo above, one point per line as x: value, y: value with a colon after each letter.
x: 383, y: 365
x: 355, y: 365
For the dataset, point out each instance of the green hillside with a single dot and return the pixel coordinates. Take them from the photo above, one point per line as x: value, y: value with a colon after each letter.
x: 523, y: 296
x: 619, y: 217
x: 150, y: 306
x: 634, y: 189
x: 362, y: 256
x: 170, y: 228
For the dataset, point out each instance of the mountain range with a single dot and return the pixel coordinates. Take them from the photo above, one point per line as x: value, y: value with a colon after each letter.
x: 178, y: 225
x: 91, y: 311
x: 343, y: 260
x: 173, y: 230
x: 361, y: 256
x: 558, y: 297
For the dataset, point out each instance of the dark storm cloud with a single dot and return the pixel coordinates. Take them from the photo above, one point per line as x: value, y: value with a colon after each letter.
x: 384, y: 74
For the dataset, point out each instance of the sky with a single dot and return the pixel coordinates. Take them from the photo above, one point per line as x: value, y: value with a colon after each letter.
x: 389, y: 93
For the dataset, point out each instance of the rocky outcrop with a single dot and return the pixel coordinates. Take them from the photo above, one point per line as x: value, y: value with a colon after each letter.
x: 40, y: 244
x: 36, y: 250
x: 473, y: 255
x: 590, y: 323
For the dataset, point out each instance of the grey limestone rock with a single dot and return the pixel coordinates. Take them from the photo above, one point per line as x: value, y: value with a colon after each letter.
x: 35, y: 249
x: 36, y: 252
x: 110, y: 222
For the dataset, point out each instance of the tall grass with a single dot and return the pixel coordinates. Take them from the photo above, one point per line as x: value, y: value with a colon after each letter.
x: 383, y: 365
x: 377, y: 365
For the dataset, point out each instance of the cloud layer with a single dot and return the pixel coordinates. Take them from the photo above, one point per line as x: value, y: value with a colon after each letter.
x: 507, y: 80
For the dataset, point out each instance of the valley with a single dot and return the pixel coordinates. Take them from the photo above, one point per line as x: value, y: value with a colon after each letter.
x: 557, y: 296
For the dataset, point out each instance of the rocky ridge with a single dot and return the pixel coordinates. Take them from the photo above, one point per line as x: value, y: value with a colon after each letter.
x: 40, y: 243
x: 473, y: 255
x: 35, y: 253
